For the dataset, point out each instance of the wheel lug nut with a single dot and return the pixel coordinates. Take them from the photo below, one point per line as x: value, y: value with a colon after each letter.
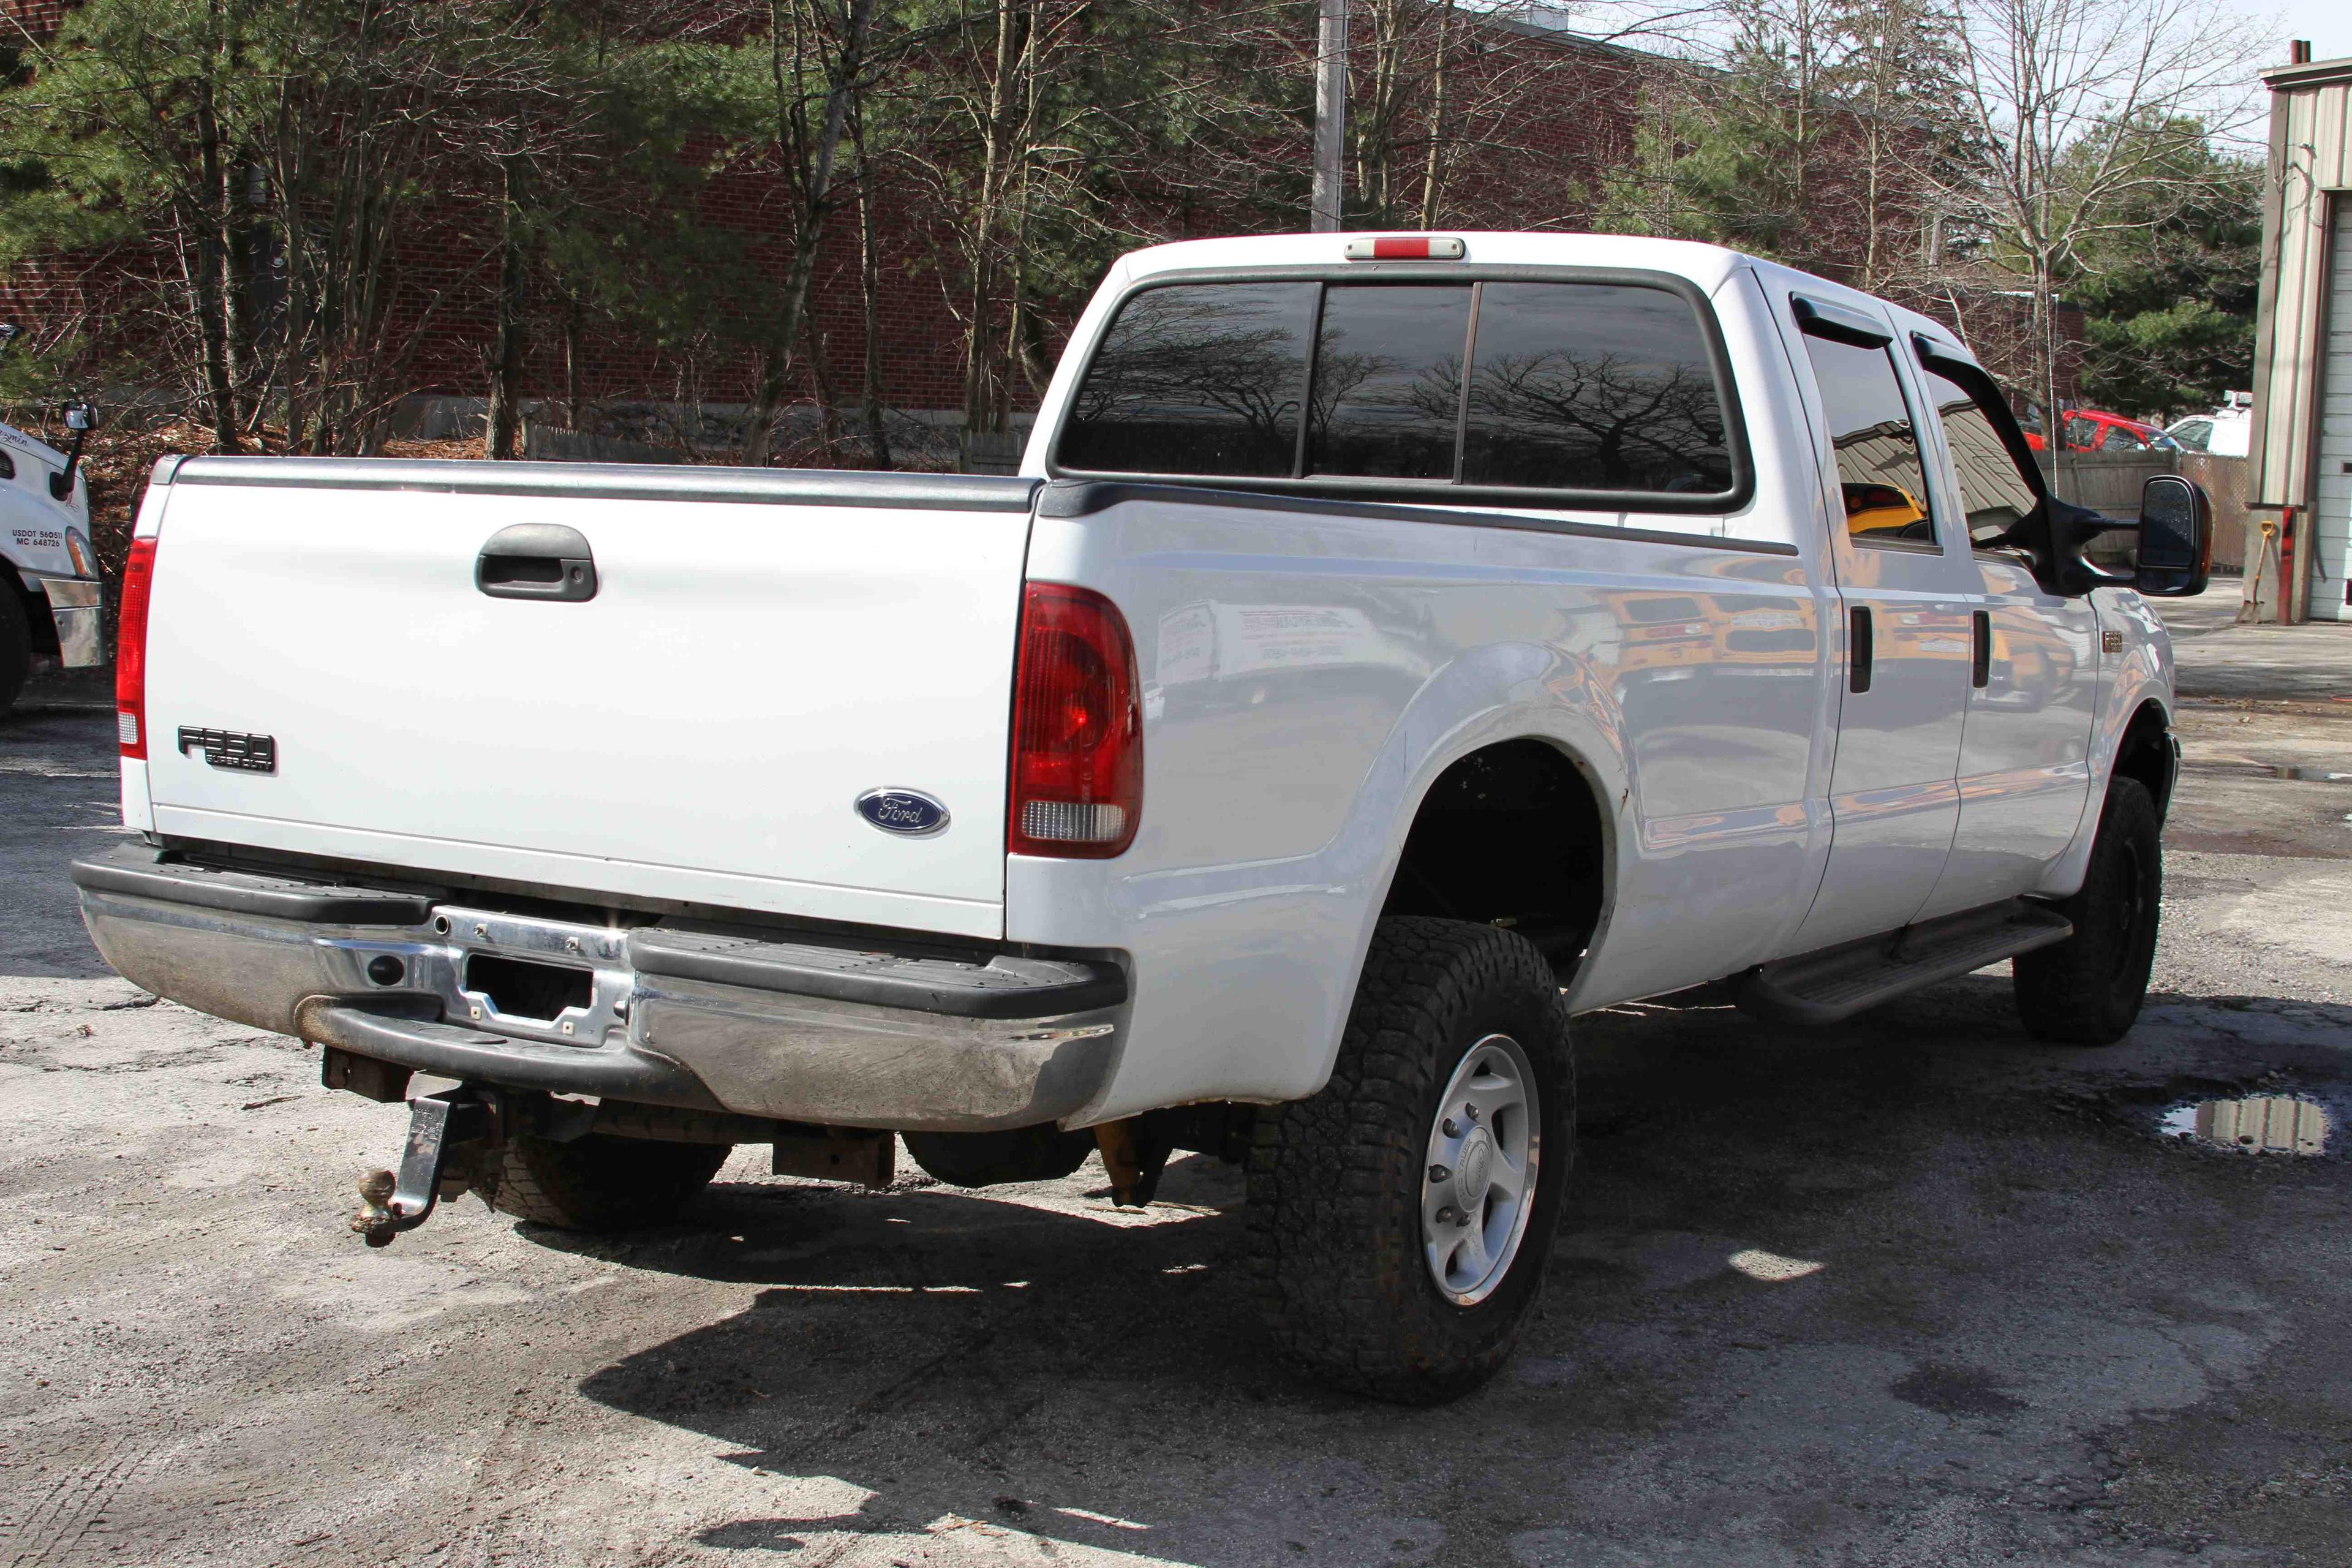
x: 1439, y: 1174
x: 1469, y: 1111
x: 1446, y: 1215
x: 1449, y: 1129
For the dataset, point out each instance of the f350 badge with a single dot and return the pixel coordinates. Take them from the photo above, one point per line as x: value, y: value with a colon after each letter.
x: 908, y: 813
x: 227, y: 749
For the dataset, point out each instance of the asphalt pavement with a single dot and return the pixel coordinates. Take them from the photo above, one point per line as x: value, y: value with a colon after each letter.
x: 1913, y: 1291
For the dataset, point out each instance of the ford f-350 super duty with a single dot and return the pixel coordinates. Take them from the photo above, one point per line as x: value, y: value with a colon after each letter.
x: 1393, y: 646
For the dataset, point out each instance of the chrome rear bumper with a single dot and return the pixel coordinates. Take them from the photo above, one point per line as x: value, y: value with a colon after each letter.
x: 772, y: 1024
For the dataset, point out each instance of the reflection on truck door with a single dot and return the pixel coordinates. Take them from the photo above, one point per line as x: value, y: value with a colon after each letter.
x: 1893, y: 804
x: 2024, y: 774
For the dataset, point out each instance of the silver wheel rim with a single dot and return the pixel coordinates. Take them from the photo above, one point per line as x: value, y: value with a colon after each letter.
x: 1478, y: 1182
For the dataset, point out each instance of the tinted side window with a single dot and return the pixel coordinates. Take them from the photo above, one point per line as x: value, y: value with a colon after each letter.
x: 8, y: 467
x: 1994, y: 492
x: 1196, y: 379
x: 1593, y: 387
x: 1877, y: 448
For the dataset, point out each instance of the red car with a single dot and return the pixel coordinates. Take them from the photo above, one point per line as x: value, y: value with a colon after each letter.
x: 2088, y: 430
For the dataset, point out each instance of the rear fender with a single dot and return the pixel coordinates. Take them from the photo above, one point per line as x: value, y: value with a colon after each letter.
x: 1270, y: 950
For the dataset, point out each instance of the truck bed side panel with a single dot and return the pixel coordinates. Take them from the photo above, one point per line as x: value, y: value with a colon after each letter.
x: 1307, y: 677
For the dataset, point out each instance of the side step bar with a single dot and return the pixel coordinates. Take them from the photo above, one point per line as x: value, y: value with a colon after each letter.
x: 1836, y: 983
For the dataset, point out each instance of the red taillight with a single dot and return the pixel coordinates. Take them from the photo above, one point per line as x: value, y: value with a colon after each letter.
x: 1078, y: 728
x: 130, y: 650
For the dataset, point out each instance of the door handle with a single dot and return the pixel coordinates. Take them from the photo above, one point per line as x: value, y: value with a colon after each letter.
x: 537, y: 561
x: 1857, y: 649
x: 1980, y: 661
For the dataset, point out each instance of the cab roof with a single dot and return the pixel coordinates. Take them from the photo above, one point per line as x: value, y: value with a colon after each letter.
x: 1705, y: 265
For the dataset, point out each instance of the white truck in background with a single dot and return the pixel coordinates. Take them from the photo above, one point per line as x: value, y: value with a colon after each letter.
x: 49, y: 580
x: 1393, y: 646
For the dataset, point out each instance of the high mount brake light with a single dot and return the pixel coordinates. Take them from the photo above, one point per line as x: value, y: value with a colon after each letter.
x: 1078, y: 728
x: 130, y: 650
x: 1406, y: 248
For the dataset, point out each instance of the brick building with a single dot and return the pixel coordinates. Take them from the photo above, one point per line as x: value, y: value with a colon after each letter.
x: 1547, y: 113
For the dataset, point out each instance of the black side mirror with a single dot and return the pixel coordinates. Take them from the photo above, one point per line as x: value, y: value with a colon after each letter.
x: 2057, y: 536
x: 80, y: 418
x: 2175, y: 538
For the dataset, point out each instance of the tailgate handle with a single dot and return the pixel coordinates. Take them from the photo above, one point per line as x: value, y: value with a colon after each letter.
x: 537, y: 561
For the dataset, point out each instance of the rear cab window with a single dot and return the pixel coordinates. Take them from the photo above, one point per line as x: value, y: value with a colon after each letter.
x: 1531, y: 393
x: 1197, y: 380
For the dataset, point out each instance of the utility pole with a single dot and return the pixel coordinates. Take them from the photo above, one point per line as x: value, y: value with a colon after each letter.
x: 1330, y: 113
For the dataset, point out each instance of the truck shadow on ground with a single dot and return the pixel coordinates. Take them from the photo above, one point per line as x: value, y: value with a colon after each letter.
x: 1029, y: 1362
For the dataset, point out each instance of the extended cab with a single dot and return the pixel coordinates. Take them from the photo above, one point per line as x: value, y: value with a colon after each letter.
x: 1392, y: 648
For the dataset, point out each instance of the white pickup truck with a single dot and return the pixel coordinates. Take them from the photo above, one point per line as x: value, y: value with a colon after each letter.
x: 1393, y: 646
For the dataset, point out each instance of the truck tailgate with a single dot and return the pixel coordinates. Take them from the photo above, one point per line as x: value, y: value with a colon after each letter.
x: 761, y: 649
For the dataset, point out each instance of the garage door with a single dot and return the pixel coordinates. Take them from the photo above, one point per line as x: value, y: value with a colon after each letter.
x: 2331, y: 540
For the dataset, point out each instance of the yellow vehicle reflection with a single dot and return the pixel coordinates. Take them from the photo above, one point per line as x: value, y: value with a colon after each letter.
x: 1667, y: 630
x: 1885, y: 512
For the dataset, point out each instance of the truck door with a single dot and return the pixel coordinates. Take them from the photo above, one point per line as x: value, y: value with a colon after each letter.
x: 2025, y: 773
x: 1905, y: 579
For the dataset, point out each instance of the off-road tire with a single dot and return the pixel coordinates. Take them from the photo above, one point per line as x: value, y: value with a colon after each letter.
x: 15, y: 646
x: 2087, y: 990
x: 1335, y: 1181
x: 597, y: 1181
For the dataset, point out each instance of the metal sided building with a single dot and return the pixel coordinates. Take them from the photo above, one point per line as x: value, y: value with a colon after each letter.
x: 2301, y: 444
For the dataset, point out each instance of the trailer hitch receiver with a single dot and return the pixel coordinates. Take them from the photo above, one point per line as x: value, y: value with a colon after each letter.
x: 437, y: 1125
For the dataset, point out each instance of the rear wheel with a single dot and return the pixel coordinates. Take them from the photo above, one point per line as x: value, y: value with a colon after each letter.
x: 15, y: 646
x: 597, y: 1181
x: 2087, y: 990
x: 1402, y: 1217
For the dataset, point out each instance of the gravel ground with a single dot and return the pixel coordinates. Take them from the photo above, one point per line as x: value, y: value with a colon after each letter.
x: 1911, y: 1290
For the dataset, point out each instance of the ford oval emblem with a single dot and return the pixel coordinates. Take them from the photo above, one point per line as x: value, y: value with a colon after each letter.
x: 908, y: 813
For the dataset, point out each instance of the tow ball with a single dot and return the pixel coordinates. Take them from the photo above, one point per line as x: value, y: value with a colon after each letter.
x: 439, y: 1125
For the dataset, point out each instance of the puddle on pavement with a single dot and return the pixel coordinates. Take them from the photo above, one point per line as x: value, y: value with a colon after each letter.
x: 2261, y: 1123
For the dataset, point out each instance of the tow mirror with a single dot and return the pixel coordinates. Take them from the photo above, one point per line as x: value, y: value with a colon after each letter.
x: 2175, y: 538
x: 80, y: 418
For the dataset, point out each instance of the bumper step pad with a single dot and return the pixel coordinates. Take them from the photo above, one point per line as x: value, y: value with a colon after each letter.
x: 1003, y: 987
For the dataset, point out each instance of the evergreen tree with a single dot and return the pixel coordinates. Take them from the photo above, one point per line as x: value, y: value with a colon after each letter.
x: 2167, y: 292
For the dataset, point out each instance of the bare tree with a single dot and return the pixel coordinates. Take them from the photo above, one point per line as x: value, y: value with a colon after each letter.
x: 818, y: 56
x: 2080, y: 110
x: 1897, y: 73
